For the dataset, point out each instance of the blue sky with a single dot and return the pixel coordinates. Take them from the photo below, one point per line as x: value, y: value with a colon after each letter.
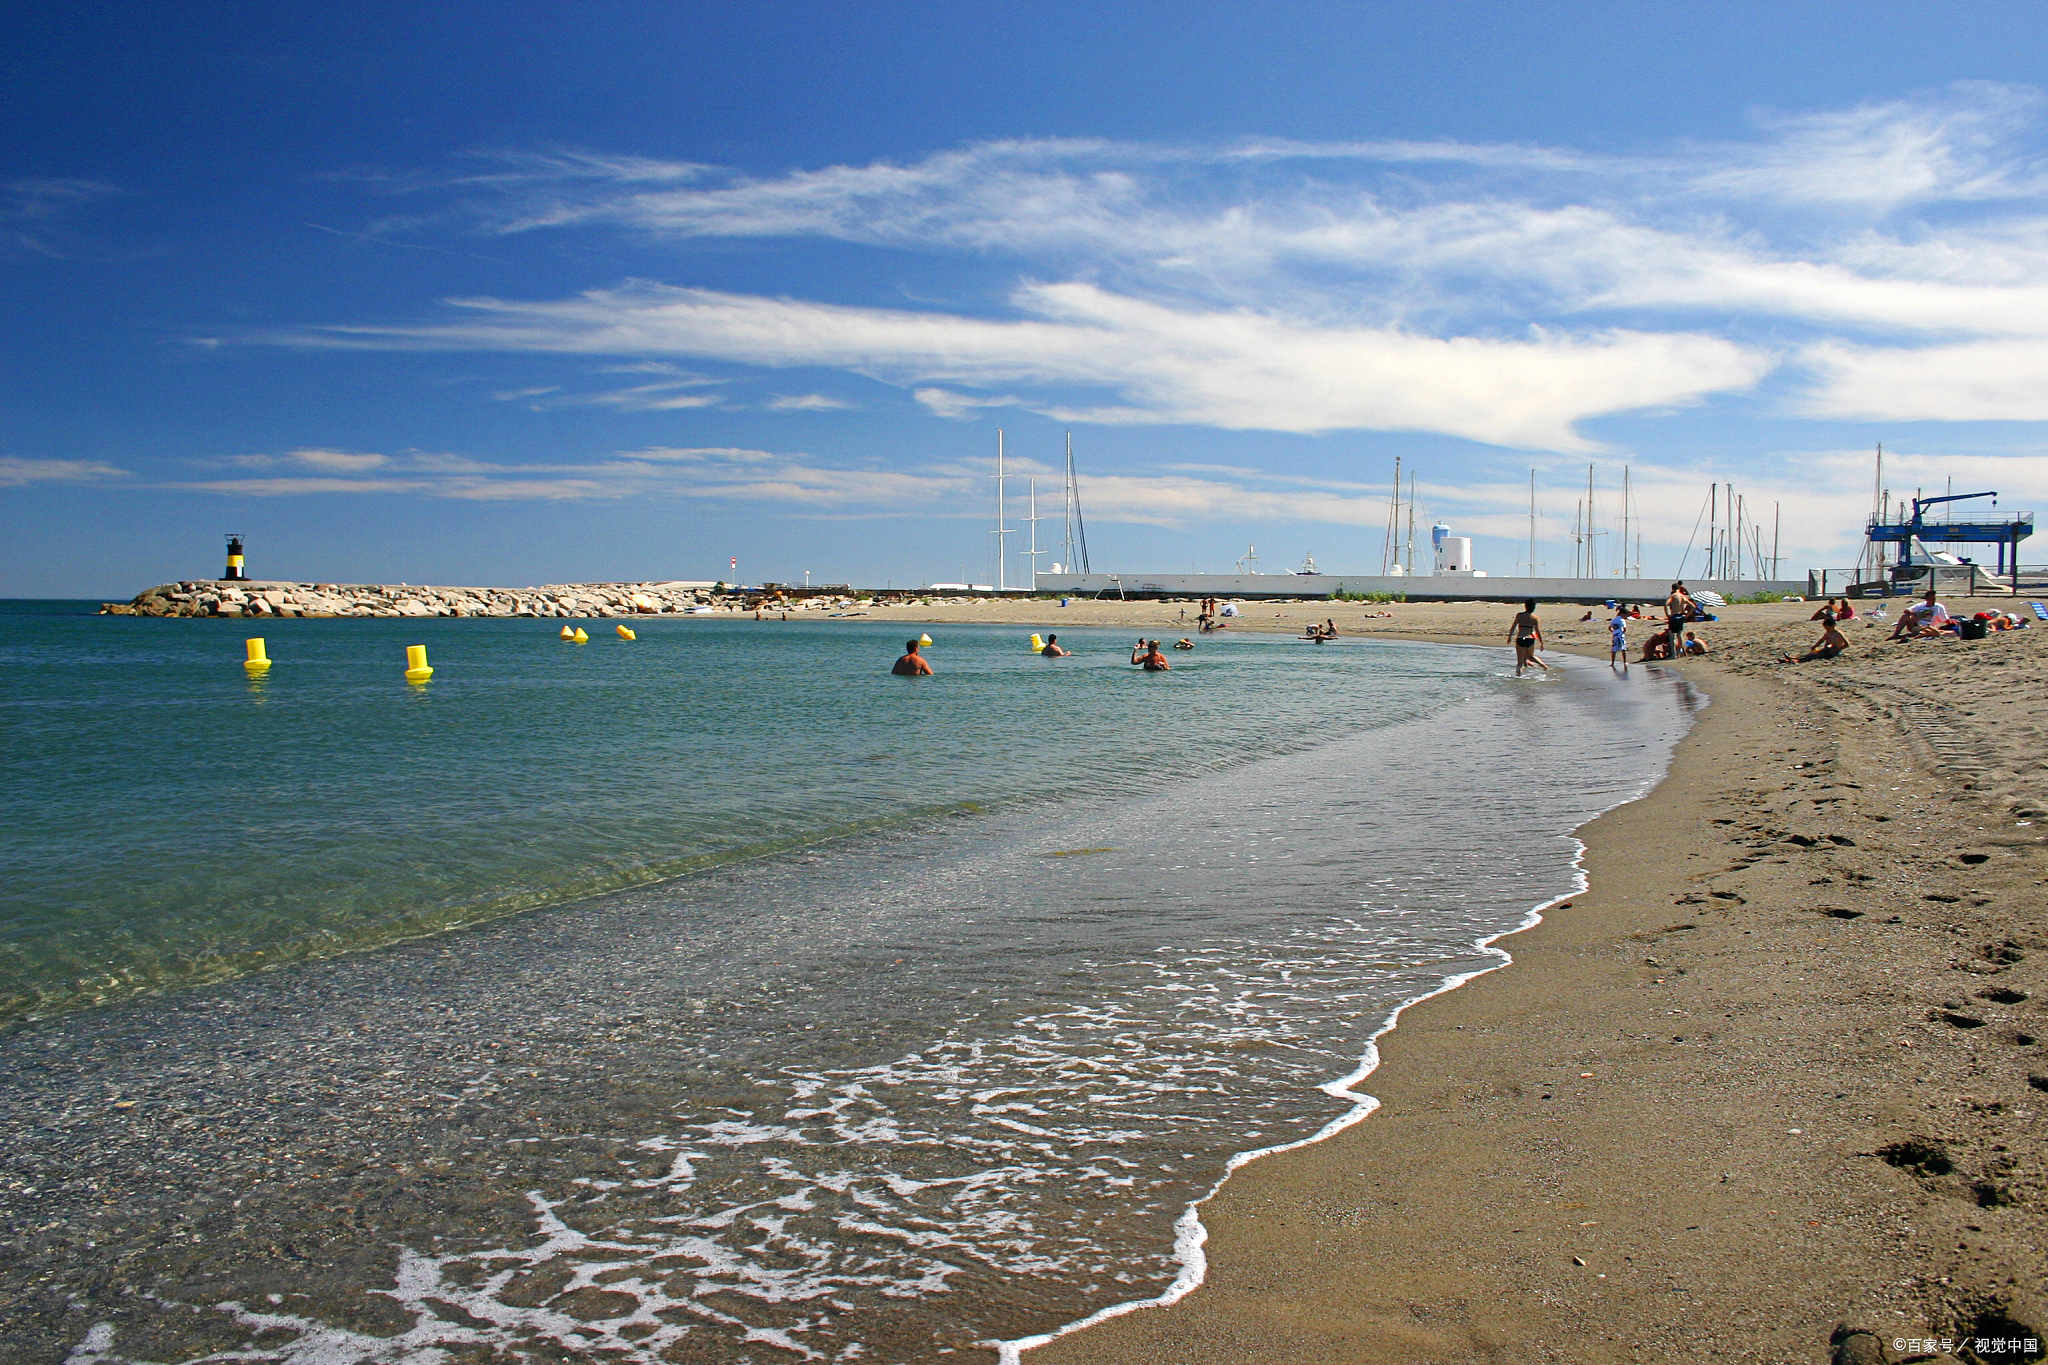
x: 521, y: 293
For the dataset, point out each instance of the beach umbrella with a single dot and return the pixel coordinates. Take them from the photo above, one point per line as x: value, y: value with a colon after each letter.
x: 1710, y: 599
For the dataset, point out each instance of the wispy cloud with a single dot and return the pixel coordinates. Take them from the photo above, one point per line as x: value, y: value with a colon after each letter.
x: 1231, y: 369
x: 1893, y: 257
x: 15, y: 472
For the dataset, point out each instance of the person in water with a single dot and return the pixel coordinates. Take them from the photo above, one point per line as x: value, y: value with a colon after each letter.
x: 1053, y: 649
x: 912, y: 664
x: 1527, y: 633
x: 1183, y: 643
x: 1146, y: 655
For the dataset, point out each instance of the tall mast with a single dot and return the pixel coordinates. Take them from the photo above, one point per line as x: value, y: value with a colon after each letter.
x: 1713, y: 523
x: 1002, y: 582
x: 1387, y: 541
x: 1074, y: 502
x: 1592, y: 565
x: 1411, y: 522
x: 1031, y: 578
x: 1777, y: 517
x: 1622, y: 568
x: 1532, y: 523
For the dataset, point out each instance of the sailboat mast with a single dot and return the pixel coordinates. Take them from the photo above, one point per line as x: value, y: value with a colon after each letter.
x: 1387, y: 541
x: 1001, y: 530
x: 1532, y: 523
x: 1410, y: 553
x: 1074, y: 497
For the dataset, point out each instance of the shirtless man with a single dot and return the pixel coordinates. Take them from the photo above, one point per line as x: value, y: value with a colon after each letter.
x: 1053, y: 649
x: 1527, y: 633
x: 1146, y: 655
x: 1830, y: 643
x: 912, y: 664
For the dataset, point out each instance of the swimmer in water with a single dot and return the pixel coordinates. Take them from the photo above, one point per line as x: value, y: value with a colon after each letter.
x: 1146, y: 655
x: 1183, y: 643
x: 1052, y: 648
x: 1527, y: 633
x: 912, y: 664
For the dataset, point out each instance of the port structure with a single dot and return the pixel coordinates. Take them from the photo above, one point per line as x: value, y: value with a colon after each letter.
x: 1912, y: 536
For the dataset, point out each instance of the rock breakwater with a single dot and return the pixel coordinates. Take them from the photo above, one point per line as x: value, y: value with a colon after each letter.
x: 261, y: 599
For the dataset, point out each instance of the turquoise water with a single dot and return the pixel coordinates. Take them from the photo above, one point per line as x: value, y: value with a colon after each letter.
x: 167, y: 820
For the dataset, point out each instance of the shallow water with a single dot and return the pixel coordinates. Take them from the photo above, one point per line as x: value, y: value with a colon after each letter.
x: 166, y: 820
x: 948, y: 1080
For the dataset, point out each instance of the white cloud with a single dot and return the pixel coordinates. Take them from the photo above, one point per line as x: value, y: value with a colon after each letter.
x: 15, y: 472
x: 1503, y: 293
x: 1235, y: 369
x: 807, y: 402
x: 1973, y: 381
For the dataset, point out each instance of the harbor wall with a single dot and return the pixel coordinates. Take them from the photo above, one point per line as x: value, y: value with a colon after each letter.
x: 1417, y: 588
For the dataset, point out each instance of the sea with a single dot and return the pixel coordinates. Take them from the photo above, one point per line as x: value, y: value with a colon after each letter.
x: 717, y: 996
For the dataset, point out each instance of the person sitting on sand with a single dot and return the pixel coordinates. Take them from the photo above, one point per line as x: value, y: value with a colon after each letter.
x: 1053, y: 649
x: 1658, y: 646
x: 1845, y: 610
x: 912, y: 664
x: 1527, y: 633
x: 1145, y: 654
x: 1329, y: 630
x: 1694, y: 645
x: 1924, y: 621
x: 1826, y: 613
x: 1183, y: 643
x: 1830, y: 643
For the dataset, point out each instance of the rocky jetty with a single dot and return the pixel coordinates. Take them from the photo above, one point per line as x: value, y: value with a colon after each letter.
x: 258, y: 599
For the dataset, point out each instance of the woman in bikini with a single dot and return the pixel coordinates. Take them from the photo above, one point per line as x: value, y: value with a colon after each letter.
x: 1527, y: 633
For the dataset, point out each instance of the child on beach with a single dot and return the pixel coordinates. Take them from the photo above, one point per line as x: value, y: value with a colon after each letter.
x: 1694, y: 645
x: 1617, y: 638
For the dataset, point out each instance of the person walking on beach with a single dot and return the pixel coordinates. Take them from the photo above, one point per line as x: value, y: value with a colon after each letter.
x: 912, y: 664
x: 1146, y: 655
x: 1617, y: 638
x: 1053, y: 649
x: 1527, y: 633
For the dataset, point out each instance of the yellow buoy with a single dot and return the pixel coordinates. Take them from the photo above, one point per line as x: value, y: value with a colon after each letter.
x: 924, y: 639
x: 579, y: 637
x: 1037, y: 645
x: 626, y: 633
x: 568, y: 634
x: 416, y: 669
x: 258, y: 661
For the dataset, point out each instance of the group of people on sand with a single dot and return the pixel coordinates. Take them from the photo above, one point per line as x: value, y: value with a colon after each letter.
x: 1928, y: 619
x: 1211, y: 617
x: 1321, y: 634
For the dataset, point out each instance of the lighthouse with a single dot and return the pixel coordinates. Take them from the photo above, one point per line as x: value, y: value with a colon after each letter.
x: 234, y: 573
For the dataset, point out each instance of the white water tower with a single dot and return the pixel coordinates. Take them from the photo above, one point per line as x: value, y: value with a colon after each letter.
x: 1453, y: 553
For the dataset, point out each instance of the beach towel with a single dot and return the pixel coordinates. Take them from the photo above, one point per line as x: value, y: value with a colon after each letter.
x: 2040, y: 611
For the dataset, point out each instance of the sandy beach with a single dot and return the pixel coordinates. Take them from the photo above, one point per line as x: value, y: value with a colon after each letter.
x: 1777, y: 1074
